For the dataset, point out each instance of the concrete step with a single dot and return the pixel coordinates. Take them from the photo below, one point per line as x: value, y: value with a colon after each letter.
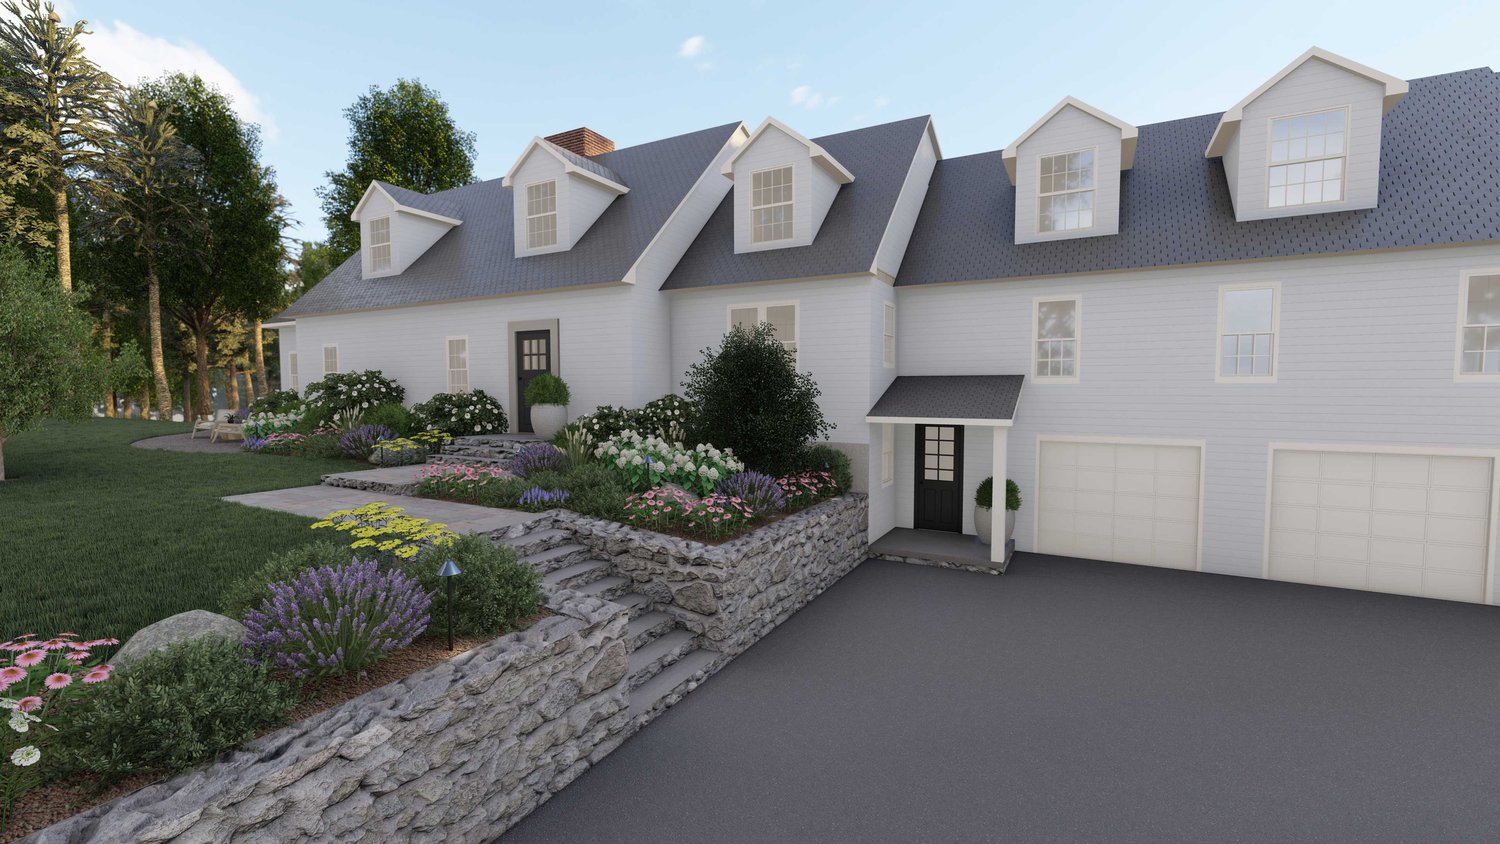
x: 576, y: 575
x: 672, y: 684
x: 659, y: 653
x: 648, y: 627
x: 542, y: 540
x: 556, y: 557
x: 607, y: 588
x: 637, y: 603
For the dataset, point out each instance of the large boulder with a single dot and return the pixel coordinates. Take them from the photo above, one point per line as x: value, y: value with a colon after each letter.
x: 190, y: 626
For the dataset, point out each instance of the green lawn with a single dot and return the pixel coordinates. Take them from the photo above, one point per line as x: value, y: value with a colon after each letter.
x: 100, y: 538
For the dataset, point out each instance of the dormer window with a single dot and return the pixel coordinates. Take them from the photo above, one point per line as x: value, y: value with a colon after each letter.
x: 1307, y: 159
x: 771, y: 204
x: 541, y: 214
x: 1066, y: 191
x: 380, y: 244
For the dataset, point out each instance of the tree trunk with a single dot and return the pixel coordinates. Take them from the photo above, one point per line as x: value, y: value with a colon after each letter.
x: 262, y: 386
x: 64, y: 231
x: 200, y: 357
x: 145, y: 402
x: 2, y: 459
x: 106, y: 340
x: 158, y: 361
x: 251, y: 392
x: 187, y: 393
x: 232, y: 386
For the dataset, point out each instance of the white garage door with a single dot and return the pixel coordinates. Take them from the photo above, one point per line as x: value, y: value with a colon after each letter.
x: 1121, y: 501
x: 1414, y: 524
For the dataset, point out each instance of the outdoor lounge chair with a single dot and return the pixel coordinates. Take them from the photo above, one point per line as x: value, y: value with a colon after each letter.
x: 208, y: 423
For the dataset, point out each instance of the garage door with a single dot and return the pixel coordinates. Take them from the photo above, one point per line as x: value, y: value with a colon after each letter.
x: 1121, y: 501
x: 1409, y: 523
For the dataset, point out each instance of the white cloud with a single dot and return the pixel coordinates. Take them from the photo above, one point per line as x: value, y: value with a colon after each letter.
x: 806, y: 97
x: 130, y: 55
x: 692, y: 47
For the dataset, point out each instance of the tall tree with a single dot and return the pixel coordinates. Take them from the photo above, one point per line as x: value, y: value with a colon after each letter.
x: 312, y: 265
x: 58, y: 105
x: 403, y: 135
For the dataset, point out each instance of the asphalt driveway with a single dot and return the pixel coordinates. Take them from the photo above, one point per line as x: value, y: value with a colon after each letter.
x: 1071, y: 701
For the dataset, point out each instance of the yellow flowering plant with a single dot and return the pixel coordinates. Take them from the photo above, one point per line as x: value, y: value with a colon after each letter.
x: 385, y: 529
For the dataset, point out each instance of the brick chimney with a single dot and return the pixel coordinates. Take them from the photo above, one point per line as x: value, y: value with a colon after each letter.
x: 583, y: 141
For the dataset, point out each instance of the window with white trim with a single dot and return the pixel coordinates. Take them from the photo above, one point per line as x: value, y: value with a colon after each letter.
x: 888, y: 348
x: 1479, y: 339
x: 771, y: 204
x: 887, y: 454
x: 330, y: 360
x: 541, y: 215
x: 291, y: 365
x: 1065, y: 192
x: 458, y: 364
x: 783, y: 320
x: 1247, y: 332
x: 1307, y: 159
x: 380, y: 244
x: 1056, y: 339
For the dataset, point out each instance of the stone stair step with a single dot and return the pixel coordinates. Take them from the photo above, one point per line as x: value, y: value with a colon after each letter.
x: 461, y: 459
x: 556, y: 557
x: 576, y: 575
x: 607, y: 588
x: 534, y: 543
x: 652, y: 697
x: 637, y: 603
x: 657, y: 654
x: 647, y: 627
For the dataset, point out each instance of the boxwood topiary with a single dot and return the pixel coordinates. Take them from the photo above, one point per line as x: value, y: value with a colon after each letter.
x: 984, y: 496
x: 547, y: 389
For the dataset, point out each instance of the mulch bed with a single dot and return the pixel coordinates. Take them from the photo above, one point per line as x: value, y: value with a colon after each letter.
x: 79, y: 792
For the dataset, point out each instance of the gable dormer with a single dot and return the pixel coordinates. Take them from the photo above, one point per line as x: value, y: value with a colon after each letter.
x: 396, y: 226
x: 1308, y: 140
x: 783, y: 187
x: 1066, y: 169
x: 557, y: 193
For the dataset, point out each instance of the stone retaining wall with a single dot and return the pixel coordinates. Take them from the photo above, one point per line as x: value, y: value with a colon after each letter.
x: 733, y: 594
x: 456, y: 752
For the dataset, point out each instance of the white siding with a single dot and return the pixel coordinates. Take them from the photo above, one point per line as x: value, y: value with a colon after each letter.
x: 1070, y: 130
x: 813, y: 189
x: 286, y: 344
x: 411, y: 235
x: 586, y: 201
x: 1315, y: 86
x: 1366, y: 356
x: 908, y: 205
x: 541, y: 167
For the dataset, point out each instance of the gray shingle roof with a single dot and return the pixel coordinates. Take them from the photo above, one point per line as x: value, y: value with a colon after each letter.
x: 950, y: 397
x: 431, y: 203
x: 879, y: 157
x: 1439, y: 184
x: 586, y: 163
x: 478, y: 259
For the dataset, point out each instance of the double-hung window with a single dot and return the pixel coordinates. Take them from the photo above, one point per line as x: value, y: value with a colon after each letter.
x: 1065, y: 192
x: 771, y: 204
x: 458, y: 364
x: 1055, y: 339
x: 1247, y: 332
x: 330, y: 360
x: 888, y: 339
x: 1479, y: 326
x: 291, y: 363
x: 541, y: 215
x: 782, y: 318
x: 380, y: 244
x: 1307, y: 159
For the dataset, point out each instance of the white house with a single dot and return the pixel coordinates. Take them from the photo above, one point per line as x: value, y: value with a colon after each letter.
x: 1263, y: 343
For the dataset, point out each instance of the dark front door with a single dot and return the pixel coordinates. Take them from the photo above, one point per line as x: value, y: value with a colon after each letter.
x: 533, y: 358
x: 940, y: 478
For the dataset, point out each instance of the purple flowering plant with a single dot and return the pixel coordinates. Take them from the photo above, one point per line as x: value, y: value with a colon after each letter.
x: 538, y: 457
x: 537, y: 499
x: 759, y: 492
x: 361, y: 440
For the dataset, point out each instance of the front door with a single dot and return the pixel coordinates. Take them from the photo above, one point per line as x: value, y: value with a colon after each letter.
x: 533, y: 358
x: 940, y: 478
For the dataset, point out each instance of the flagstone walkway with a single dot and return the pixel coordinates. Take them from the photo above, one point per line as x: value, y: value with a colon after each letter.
x: 318, y: 501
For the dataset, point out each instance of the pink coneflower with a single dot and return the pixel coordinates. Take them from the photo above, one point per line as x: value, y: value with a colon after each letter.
x: 58, y: 681
x: 94, y: 643
x: 31, y: 658
x: 54, y: 644
x: 98, y: 675
x: 11, y: 674
x: 26, y: 704
x: 67, y: 635
x: 77, y: 656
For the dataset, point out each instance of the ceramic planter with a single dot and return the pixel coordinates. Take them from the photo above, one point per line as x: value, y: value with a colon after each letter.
x: 983, y: 523
x: 548, y: 419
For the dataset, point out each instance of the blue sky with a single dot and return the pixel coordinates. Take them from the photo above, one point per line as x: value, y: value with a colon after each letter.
x: 638, y: 70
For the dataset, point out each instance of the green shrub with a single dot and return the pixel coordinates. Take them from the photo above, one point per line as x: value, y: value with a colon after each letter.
x: 547, y: 389
x: 322, y: 446
x: 276, y: 402
x: 595, y: 491
x: 750, y: 398
x: 826, y: 458
x: 492, y: 595
x: 246, y: 594
x: 606, y: 422
x: 462, y: 414
x: 172, y: 710
x: 670, y: 417
x: 984, y: 496
x: 392, y: 415
x: 353, y: 391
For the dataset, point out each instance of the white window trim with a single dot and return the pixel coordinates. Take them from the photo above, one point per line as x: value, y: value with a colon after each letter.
x: 556, y: 221
x: 1458, y: 339
x: 887, y: 454
x: 888, y: 329
x: 1036, y: 312
x: 1040, y: 195
x: 390, y: 246
x: 1219, y: 376
x: 448, y: 362
x: 291, y: 362
x: 336, y: 362
x: 761, y: 317
x: 792, y: 204
x: 1266, y: 174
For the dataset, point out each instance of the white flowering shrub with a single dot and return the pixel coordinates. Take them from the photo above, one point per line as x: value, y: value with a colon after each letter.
x: 356, y: 391
x: 462, y: 414
x: 265, y: 424
x: 646, y: 462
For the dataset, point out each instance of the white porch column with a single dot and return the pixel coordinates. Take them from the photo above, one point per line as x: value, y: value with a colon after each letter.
x: 997, y: 501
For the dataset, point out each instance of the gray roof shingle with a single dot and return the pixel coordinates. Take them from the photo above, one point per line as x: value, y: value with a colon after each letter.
x: 1439, y: 184
x: 950, y: 397
x: 478, y: 259
x: 433, y: 203
x: 879, y: 157
x: 586, y: 163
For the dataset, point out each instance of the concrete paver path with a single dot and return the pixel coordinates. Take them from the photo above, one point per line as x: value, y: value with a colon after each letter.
x: 318, y: 501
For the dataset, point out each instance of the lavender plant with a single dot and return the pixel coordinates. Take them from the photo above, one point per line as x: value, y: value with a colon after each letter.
x: 361, y: 440
x: 333, y: 621
x: 538, y: 457
x: 758, y: 491
x: 536, y: 498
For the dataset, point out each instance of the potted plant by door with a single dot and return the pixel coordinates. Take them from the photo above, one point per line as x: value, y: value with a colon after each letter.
x: 547, y: 396
x: 984, y: 500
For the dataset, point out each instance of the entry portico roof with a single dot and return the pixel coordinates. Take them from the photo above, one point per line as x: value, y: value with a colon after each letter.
x: 949, y: 400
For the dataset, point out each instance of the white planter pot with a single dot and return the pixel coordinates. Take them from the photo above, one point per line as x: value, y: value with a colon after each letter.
x: 983, y: 523
x: 1010, y: 525
x: 548, y: 419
